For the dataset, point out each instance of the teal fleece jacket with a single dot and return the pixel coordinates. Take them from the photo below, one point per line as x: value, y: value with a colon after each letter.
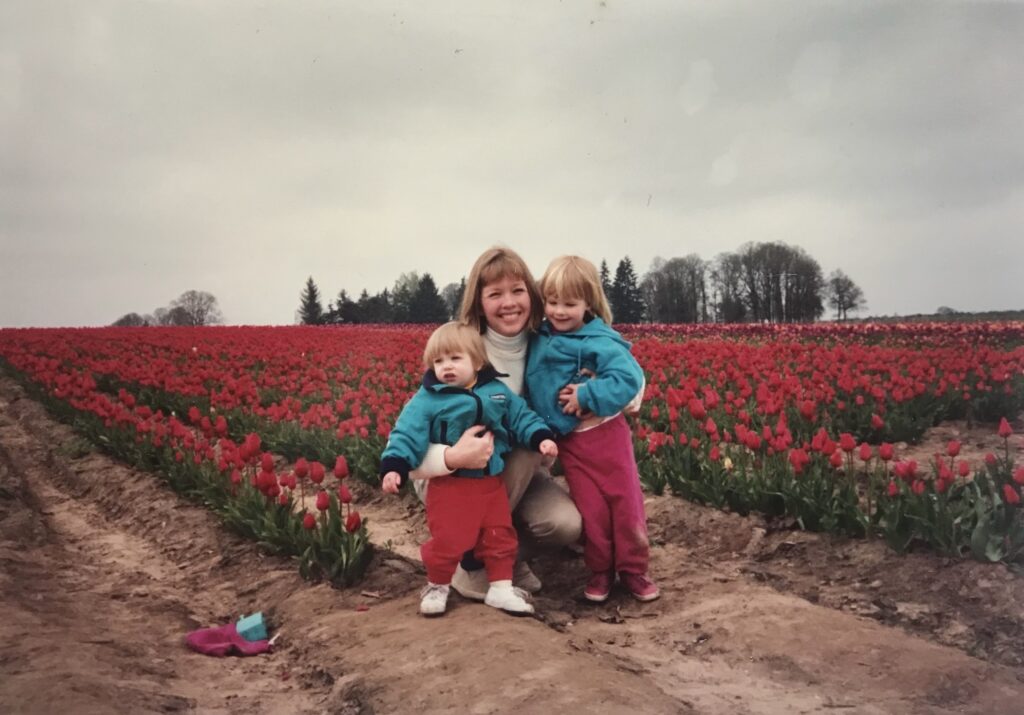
x: 440, y: 413
x: 555, y: 360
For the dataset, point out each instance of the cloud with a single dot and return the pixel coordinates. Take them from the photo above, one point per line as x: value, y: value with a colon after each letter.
x: 149, y: 148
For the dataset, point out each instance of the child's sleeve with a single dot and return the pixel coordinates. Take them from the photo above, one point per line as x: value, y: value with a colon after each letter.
x: 408, y: 441
x: 618, y: 380
x: 525, y: 424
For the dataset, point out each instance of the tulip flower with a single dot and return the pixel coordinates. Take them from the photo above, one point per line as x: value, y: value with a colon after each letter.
x: 1010, y: 495
x: 353, y: 522
x: 323, y: 501
x: 953, y: 448
x: 316, y: 472
x: 847, y: 443
x: 1004, y: 429
x: 308, y: 521
x: 865, y: 452
x: 885, y: 452
x: 340, y: 467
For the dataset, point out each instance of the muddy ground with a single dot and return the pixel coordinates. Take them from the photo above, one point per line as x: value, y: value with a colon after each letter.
x: 103, y: 570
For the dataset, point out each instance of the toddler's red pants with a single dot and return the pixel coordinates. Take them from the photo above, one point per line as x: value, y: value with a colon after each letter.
x: 604, y: 482
x: 463, y: 513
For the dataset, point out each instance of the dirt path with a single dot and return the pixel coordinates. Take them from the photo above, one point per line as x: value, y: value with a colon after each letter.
x: 104, y: 570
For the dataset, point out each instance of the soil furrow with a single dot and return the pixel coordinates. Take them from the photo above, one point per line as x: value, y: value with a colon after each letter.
x: 104, y: 570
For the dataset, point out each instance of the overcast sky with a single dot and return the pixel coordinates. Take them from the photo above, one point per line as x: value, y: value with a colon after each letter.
x: 148, y: 148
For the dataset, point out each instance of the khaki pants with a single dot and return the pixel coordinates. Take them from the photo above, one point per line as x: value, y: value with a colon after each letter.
x: 542, y: 511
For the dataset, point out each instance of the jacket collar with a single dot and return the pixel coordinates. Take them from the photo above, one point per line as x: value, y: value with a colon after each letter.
x: 487, y: 374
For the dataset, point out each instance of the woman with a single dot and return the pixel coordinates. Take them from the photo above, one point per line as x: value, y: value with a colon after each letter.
x: 502, y: 302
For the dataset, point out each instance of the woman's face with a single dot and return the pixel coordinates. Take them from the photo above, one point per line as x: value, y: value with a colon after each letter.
x: 506, y: 306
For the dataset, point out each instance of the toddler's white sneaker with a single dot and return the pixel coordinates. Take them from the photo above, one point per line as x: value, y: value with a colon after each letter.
x: 504, y: 596
x: 433, y: 599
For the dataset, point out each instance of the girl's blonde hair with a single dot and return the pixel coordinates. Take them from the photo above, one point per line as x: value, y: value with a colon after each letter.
x: 495, y: 264
x: 455, y: 337
x: 575, y: 278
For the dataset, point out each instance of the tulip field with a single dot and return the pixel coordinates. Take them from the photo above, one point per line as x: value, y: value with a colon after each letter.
x: 266, y: 426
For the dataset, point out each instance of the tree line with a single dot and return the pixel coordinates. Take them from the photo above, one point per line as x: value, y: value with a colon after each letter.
x: 759, y: 282
x: 192, y: 308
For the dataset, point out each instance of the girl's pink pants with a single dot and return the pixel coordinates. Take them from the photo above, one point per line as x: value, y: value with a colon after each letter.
x: 605, y: 484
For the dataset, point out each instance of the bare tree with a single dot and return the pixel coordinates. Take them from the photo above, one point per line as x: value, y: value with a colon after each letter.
x: 843, y: 294
x: 199, y: 308
x: 130, y: 320
x: 675, y: 291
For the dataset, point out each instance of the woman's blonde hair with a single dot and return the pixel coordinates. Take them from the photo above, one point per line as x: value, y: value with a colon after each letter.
x: 455, y: 337
x: 574, y: 277
x: 495, y: 264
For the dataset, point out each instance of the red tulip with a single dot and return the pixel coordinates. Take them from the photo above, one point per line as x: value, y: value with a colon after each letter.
x: 1010, y: 495
x: 894, y: 489
x: 267, y: 462
x: 885, y: 452
x: 340, y: 467
x: 316, y: 472
x: 847, y: 443
x: 1018, y: 475
x: 953, y: 448
x: 1004, y: 429
x: 323, y: 501
x: 963, y: 468
x: 309, y: 521
x: 697, y: 410
x: 344, y: 495
x: 353, y: 522
x: 877, y: 422
x: 301, y: 468
x: 918, y: 487
x: 865, y: 452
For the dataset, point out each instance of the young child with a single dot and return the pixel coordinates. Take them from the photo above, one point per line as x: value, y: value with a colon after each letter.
x: 469, y: 508
x: 579, y: 367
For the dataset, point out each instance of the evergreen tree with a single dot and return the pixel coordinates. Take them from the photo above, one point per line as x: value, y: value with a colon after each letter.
x: 426, y: 305
x: 377, y: 308
x: 626, y: 298
x: 346, y: 310
x: 606, y: 283
x: 310, y: 310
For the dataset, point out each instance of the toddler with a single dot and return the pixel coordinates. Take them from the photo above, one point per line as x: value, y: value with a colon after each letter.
x: 580, y: 377
x: 468, y: 508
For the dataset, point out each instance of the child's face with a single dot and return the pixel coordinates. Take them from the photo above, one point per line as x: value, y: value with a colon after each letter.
x: 506, y: 306
x: 565, y: 314
x: 455, y: 368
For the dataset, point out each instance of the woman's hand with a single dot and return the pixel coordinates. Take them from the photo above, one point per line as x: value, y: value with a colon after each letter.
x: 569, y: 401
x: 391, y: 482
x: 472, y: 451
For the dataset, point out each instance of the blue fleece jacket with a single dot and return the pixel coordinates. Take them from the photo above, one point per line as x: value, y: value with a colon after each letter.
x: 555, y: 360
x: 440, y: 413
